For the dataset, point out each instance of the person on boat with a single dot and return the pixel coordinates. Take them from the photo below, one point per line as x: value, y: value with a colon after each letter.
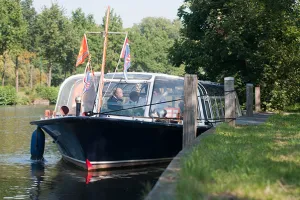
x: 115, y: 102
x: 157, y: 100
x: 135, y: 105
x: 133, y: 98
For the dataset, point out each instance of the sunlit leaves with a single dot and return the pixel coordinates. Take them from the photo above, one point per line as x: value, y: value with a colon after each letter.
x: 254, y: 41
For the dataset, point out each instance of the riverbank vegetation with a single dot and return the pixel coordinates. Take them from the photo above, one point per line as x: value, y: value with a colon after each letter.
x: 41, y: 48
x: 255, y: 41
x: 26, y: 96
x: 247, y: 162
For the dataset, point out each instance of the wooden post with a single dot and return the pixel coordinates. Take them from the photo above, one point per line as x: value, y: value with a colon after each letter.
x: 249, y: 100
x: 257, y: 99
x: 50, y: 74
x: 230, y: 102
x: 190, y: 109
x: 31, y: 84
x: 17, y: 74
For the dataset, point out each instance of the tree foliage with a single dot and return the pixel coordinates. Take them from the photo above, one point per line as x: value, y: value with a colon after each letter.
x: 46, y: 44
x: 56, y: 38
x: 30, y: 16
x: 55, y: 34
x: 150, y: 42
x: 12, y: 25
x: 254, y: 41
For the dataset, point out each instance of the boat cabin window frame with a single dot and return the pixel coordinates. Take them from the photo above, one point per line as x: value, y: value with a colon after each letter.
x: 162, y: 91
x: 129, y: 109
x: 66, y: 95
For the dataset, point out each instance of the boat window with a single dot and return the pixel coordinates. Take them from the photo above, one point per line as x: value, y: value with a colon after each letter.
x: 167, y: 95
x: 72, y: 88
x: 131, y: 102
x: 213, y: 89
x: 208, y: 113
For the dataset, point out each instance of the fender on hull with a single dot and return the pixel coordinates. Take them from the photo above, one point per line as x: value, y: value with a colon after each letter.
x: 37, y: 144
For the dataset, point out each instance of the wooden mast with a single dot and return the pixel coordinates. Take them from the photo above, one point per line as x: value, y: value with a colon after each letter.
x: 101, y: 82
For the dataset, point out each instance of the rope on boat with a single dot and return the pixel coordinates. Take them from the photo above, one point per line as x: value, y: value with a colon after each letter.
x: 112, y: 111
x: 215, y: 120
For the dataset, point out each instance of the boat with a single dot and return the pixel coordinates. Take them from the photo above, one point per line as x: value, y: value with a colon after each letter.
x: 144, y: 126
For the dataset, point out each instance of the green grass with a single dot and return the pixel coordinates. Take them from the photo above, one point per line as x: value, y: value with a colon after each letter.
x: 147, y: 187
x: 293, y: 108
x: 248, y: 162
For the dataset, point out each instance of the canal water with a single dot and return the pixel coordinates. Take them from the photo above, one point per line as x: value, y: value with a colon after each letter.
x: 21, y: 178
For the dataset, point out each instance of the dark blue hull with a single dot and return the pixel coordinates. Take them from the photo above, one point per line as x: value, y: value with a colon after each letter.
x: 108, y: 142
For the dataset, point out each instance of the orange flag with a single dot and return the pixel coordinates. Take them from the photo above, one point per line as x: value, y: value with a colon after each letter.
x: 83, y: 52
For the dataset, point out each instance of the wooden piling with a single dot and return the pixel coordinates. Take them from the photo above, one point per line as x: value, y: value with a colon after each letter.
x: 249, y: 100
x: 190, y: 109
x: 257, y: 99
x: 230, y: 102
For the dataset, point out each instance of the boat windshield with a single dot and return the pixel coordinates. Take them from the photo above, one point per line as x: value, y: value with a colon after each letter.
x: 126, y: 99
x: 170, y: 91
x: 74, y: 87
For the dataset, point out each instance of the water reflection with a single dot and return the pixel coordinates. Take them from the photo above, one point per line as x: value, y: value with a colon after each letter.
x: 20, y: 178
x: 69, y: 183
x: 117, y: 184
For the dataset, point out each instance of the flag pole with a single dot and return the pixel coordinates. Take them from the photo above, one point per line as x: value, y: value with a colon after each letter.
x: 101, y: 82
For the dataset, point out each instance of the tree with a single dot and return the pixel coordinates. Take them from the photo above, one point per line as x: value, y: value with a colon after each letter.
x: 115, y: 42
x: 56, y: 38
x: 150, y: 41
x: 245, y: 39
x: 12, y: 25
x: 30, y: 40
x: 12, y: 29
x: 30, y: 17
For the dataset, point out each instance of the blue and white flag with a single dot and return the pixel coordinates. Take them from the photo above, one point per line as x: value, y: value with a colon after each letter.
x: 126, y: 55
x: 87, y: 80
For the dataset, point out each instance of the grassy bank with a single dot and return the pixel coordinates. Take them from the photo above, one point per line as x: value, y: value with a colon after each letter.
x: 248, y: 162
x: 293, y: 108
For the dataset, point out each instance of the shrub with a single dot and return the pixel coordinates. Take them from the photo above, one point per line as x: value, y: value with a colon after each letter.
x: 28, y: 91
x: 49, y: 93
x: 8, y: 95
x: 293, y: 108
x: 22, y: 100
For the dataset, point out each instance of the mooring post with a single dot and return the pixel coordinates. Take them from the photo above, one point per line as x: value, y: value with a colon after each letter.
x: 249, y: 100
x: 190, y: 109
x: 78, y: 105
x: 257, y: 99
x: 230, y: 102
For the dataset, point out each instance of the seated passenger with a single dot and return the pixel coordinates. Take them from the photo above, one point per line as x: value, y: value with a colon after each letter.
x: 157, y: 100
x: 133, y: 105
x: 115, y: 102
x: 133, y: 98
